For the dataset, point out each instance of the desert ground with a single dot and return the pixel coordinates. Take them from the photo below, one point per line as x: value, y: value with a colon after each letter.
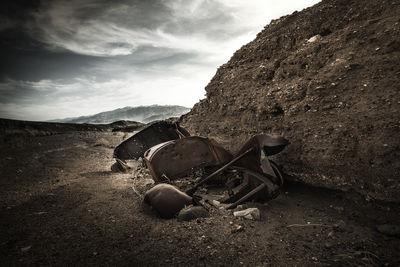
x: 61, y: 205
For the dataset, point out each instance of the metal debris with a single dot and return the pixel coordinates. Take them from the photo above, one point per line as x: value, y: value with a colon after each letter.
x: 152, y: 135
x: 174, y: 159
x: 167, y: 200
x: 170, y: 153
x: 261, y: 177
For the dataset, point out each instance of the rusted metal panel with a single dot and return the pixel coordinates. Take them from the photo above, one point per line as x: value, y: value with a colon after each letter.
x: 167, y: 200
x: 154, y: 134
x: 257, y: 159
x: 177, y: 158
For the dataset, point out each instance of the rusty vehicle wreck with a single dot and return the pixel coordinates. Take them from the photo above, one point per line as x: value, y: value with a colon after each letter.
x: 171, y: 153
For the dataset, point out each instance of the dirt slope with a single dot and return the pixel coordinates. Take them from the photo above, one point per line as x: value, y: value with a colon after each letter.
x: 327, y: 78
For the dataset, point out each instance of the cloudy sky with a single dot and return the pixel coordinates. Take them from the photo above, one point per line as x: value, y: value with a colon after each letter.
x: 80, y: 57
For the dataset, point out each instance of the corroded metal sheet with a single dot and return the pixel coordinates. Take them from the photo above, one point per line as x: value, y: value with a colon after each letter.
x: 167, y: 200
x: 154, y: 134
x: 257, y: 159
x: 177, y: 158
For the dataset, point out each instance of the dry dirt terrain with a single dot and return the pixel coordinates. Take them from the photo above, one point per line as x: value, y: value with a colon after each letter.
x: 61, y: 205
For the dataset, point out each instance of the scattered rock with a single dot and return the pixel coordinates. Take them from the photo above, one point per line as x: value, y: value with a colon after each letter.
x: 237, y: 229
x: 25, y: 249
x: 314, y: 38
x: 191, y: 212
x: 250, y: 213
x: 120, y: 166
x: 389, y: 229
x: 216, y: 202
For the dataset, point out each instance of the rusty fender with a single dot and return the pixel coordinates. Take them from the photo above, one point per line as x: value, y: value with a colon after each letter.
x: 177, y: 158
x: 156, y: 133
x: 167, y: 200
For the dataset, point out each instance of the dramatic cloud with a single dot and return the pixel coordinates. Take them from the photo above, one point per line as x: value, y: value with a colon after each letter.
x: 72, y: 58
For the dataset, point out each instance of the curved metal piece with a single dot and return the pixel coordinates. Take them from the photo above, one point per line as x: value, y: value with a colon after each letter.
x: 271, y: 144
x: 263, y: 146
x: 154, y: 134
x: 178, y: 157
x: 167, y: 200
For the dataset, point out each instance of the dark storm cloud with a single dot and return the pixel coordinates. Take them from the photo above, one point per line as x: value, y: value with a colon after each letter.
x: 15, y: 13
x: 23, y: 58
x: 61, y: 39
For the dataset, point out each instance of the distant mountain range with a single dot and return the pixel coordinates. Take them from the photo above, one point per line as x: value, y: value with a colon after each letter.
x: 143, y: 114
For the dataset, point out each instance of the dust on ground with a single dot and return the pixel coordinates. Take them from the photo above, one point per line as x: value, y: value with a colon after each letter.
x: 61, y: 205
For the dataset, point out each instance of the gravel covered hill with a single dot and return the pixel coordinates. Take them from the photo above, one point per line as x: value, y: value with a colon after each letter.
x: 142, y: 114
x: 326, y: 78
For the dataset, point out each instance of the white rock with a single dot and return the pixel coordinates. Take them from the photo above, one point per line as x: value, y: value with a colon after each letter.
x: 250, y: 213
x: 314, y: 38
x: 216, y: 203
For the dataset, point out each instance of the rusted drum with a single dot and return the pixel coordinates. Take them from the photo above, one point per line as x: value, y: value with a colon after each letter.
x: 167, y: 200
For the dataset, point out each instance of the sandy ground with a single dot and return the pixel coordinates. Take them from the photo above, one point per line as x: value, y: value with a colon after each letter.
x: 61, y: 205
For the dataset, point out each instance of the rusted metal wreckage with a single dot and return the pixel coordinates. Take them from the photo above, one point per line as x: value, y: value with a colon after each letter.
x: 170, y: 153
x: 154, y: 134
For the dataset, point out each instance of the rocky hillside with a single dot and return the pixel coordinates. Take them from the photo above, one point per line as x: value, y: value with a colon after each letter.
x: 143, y: 114
x: 327, y: 78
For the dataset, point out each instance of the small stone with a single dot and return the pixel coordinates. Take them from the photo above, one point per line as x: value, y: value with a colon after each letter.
x: 314, y: 38
x: 216, y: 203
x: 25, y: 249
x: 250, y: 213
x: 120, y: 166
x: 237, y: 228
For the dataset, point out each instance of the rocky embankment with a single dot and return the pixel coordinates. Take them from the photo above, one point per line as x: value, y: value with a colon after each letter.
x: 327, y: 78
